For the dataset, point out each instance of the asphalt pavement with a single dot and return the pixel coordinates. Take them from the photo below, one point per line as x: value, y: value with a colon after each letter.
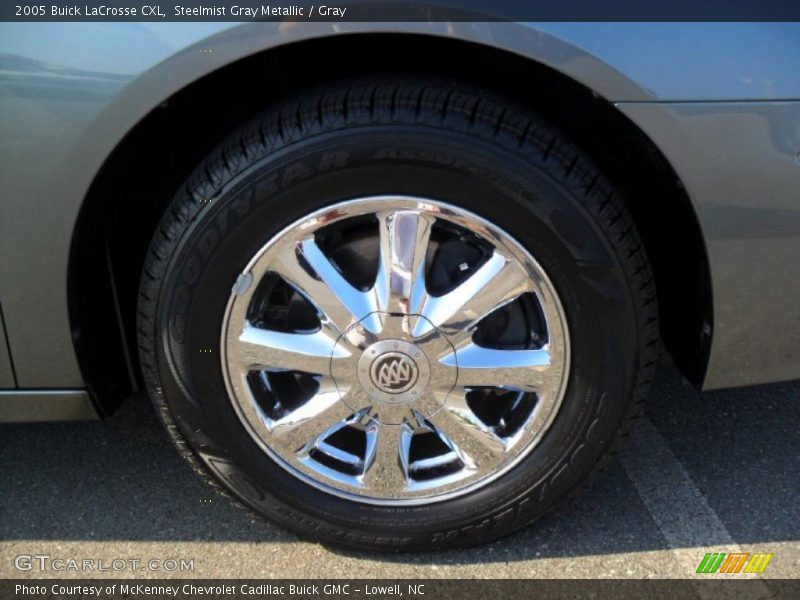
x: 713, y: 472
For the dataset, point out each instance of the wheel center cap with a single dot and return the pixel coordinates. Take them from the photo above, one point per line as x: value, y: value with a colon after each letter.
x: 396, y: 375
x: 393, y: 371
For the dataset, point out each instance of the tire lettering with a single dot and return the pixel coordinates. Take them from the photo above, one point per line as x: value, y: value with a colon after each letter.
x: 337, y: 159
x: 294, y: 172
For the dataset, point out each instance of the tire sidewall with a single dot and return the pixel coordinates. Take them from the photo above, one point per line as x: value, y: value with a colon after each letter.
x: 515, y: 194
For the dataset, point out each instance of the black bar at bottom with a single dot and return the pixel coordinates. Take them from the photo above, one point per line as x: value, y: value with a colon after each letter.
x: 715, y: 586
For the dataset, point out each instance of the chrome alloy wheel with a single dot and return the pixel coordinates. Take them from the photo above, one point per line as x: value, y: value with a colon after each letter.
x: 395, y: 350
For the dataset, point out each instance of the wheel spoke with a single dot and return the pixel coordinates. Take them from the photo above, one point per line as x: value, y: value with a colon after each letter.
x: 404, y: 238
x: 335, y: 298
x: 469, y: 437
x: 303, y: 427
x: 276, y: 350
x: 497, y: 282
x: 387, y: 459
x: 525, y: 370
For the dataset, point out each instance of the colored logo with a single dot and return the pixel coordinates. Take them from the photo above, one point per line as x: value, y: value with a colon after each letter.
x: 742, y: 562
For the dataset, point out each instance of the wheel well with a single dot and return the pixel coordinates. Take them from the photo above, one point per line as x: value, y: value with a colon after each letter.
x: 136, y: 183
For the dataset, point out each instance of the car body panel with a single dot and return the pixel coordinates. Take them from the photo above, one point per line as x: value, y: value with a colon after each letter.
x: 674, y: 62
x: 69, y: 93
x: 739, y: 161
x: 25, y: 406
x: 6, y: 369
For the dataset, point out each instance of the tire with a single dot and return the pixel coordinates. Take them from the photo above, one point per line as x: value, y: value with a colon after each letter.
x: 481, y: 156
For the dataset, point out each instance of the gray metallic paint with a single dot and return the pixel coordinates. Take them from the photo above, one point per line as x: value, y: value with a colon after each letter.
x: 28, y: 406
x: 62, y: 116
x: 738, y: 161
x: 6, y: 370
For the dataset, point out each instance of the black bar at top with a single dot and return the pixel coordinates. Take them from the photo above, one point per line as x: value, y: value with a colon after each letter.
x: 394, y: 11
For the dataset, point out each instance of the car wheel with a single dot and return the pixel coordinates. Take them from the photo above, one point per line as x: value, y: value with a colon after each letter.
x: 396, y: 315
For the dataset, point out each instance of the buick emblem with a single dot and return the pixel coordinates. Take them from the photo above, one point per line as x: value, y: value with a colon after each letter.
x: 394, y: 372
